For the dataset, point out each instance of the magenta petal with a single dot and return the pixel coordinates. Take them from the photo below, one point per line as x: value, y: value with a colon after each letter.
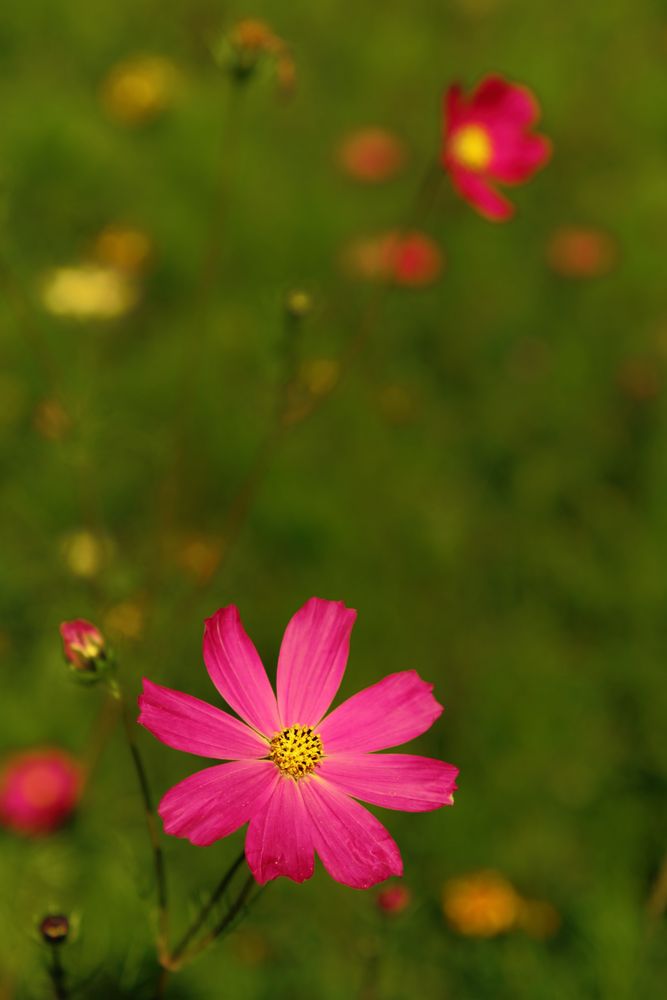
x: 213, y: 803
x: 516, y: 158
x: 279, y: 839
x: 237, y: 671
x: 396, y: 709
x: 495, y: 99
x: 392, y: 780
x: 476, y: 190
x: 312, y: 660
x: 186, y: 723
x: 352, y: 844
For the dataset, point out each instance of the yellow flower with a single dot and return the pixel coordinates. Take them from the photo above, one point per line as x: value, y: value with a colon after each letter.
x: 483, y: 904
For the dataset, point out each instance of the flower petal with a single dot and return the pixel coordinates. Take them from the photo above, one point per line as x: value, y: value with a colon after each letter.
x: 279, y: 840
x: 476, y: 190
x: 396, y: 709
x: 352, y: 844
x: 186, y: 723
x: 237, y: 671
x: 312, y: 660
x: 516, y: 158
x: 392, y: 780
x: 213, y: 803
x: 496, y: 98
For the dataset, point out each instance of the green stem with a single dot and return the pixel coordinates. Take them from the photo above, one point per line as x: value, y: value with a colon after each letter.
x: 206, y: 909
x: 151, y: 826
x: 57, y: 973
x: 219, y: 928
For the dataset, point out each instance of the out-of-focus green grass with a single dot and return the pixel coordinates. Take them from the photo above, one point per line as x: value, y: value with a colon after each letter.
x: 508, y: 540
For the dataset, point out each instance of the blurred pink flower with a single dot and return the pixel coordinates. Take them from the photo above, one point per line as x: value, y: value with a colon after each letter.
x: 488, y: 139
x: 371, y: 155
x: 38, y: 790
x: 410, y: 259
x: 82, y: 643
x: 295, y: 769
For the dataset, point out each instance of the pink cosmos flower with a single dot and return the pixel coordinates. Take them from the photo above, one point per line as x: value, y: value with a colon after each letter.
x: 488, y: 139
x: 38, y: 790
x: 295, y: 768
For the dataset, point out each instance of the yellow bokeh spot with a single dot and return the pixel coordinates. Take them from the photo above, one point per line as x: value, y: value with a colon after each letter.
x: 481, y: 905
x: 88, y: 292
x: 471, y: 147
x: 84, y: 553
x: 139, y: 89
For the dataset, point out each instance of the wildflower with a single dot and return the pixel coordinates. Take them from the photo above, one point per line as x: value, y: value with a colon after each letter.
x: 394, y: 899
x: 481, y: 905
x: 581, y: 252
x: 295, y: 770
x: 38, y: 790
x: 88, y: 291
x: 83, y: 646
x: 371, y: 155
x: 488, y: 139
x: 247, y: 44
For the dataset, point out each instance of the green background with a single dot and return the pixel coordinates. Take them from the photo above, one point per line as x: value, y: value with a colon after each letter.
x: 506, y: 536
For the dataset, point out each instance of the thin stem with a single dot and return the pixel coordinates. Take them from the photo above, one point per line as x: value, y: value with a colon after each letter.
x: 151, y: 826
x: 57, y: 973
x: 206, y: 909
x: 219, y: 928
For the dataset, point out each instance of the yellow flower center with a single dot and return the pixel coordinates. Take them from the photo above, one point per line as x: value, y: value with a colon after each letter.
x: 295, y: 751
x: 471, y: 147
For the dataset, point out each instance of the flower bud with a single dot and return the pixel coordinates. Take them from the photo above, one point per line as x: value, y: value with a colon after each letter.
x: 84, y: 648
x: 54, y: 928
x: 39, y: 790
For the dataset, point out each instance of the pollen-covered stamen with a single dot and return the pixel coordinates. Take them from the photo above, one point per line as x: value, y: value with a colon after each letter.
x: 296, y: 750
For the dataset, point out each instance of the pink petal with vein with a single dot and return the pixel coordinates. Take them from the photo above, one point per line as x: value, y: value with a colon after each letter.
x: 237, y: 671
x: 312, y: 660
x: 279, y: 839
x: 186, y: 723
x: 215, y: 802
x: 352, y: 844
x: 396, y: 709
x: 392, y: 780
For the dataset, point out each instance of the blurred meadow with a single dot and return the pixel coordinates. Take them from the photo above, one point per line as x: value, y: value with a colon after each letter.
x: 475, y: 461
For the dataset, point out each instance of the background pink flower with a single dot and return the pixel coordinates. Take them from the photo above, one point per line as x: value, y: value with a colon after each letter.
x: 38, y: 790
x: 488, y: 139
x: 295, y: 771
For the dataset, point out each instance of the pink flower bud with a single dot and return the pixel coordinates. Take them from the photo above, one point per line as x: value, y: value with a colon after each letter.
x: 83, y: 644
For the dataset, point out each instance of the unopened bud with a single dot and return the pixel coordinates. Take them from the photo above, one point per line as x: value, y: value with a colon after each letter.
x: 84, y: 648
x: 54, y: 928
